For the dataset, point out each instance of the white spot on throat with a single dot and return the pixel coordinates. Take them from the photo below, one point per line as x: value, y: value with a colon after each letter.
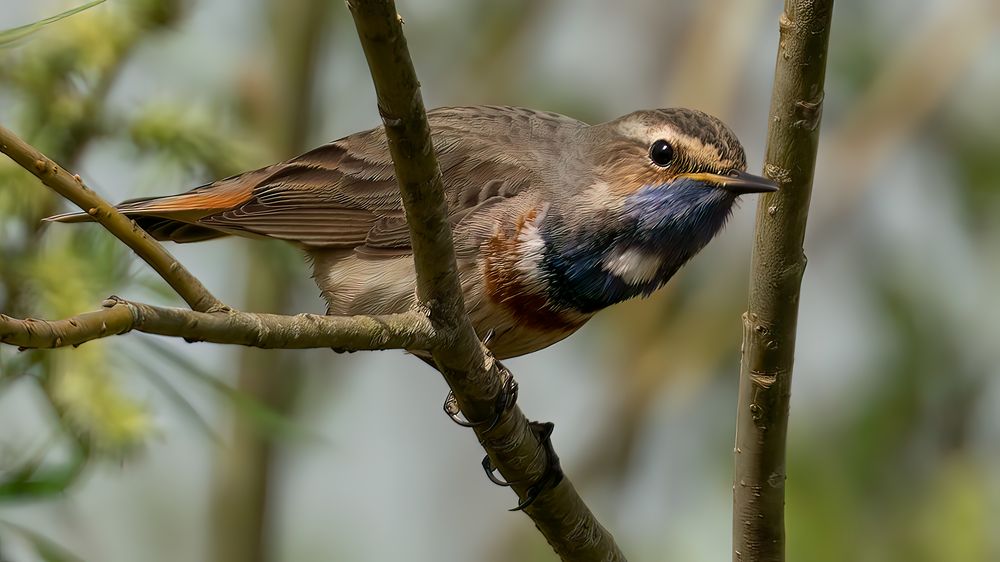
x: 633, y: 266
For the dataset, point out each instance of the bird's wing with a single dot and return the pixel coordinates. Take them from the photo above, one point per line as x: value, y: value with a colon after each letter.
x: 343, y: 195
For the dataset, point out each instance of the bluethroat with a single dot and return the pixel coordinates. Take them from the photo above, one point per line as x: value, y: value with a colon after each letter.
x: 553, y: 219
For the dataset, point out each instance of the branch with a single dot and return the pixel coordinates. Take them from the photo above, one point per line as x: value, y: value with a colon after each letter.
x: 559, y: 512
x: 777, y: 266
x: 470, y: 371
x: 410, y: 330
x: 71, y: 187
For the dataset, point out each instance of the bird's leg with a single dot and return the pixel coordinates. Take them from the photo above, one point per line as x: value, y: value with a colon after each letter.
x: 505, y: 400
x: 550, y: 478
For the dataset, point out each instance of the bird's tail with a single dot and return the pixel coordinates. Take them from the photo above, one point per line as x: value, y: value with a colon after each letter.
x: 172, y: 226
x: 176, y: 217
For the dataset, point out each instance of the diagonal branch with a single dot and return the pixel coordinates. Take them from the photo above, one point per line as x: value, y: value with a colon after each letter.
x: 559, y: 512
x: 410, y: 330
x: 71, y: 187
x: 777, y: 266
x: 512, y: 445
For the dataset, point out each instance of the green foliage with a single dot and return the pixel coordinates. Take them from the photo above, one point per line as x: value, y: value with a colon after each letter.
x: 91, y: 404
x: 886, y: 470
x: 265, y: 419
x: 10, y: 36
x: 46, y: 549
x: 191, y: 140
x: 58, y: 89
x: 33, y: 478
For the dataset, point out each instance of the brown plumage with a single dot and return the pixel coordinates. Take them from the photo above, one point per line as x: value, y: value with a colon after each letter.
x: 520, y: 186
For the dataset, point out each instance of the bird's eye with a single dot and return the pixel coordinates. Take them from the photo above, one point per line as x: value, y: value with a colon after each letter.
x: 661, y: 153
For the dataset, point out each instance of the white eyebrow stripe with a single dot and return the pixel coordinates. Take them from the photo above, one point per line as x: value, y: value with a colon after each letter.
x: 690, y: 147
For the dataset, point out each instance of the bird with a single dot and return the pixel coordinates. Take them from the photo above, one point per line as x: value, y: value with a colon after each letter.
x: 553, y: 219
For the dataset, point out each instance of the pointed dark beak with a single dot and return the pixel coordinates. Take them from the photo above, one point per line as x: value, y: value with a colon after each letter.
x: 736, y: 182
x: 741, y: 183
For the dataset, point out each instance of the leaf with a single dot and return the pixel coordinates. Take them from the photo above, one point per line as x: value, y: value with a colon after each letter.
x: 91, y: 402
x: 33, y: 480
x: 265, y: 418
x: 47, y: 549
x: 160, y: 381
x: 15, y: 34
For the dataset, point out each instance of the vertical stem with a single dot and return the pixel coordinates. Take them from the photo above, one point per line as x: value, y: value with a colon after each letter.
x: 777, y: 265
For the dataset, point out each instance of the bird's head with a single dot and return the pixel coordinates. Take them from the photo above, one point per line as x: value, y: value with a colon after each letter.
x: 661, y: 185
x: 672, y: 152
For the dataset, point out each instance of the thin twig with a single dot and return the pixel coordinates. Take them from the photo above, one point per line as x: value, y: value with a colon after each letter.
x: 72, y: 187
x: 559, y: 512
x: 410, y: 330
x: 777, y: 266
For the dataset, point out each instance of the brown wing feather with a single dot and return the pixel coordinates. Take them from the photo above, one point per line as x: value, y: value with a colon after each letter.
x: 344, y: 194
x: 312, y: 200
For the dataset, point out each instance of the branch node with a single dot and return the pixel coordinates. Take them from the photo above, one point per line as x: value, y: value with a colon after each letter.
x: 72, y: 188
x: 762, y: 379
x: 770, y: 324
x: 784, y: 22
x: 778, y: 174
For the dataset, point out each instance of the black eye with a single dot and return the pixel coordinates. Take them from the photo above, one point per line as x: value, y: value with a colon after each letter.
x: 661, y: 153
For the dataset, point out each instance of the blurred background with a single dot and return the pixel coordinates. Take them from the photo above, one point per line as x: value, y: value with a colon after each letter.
x: 140, y: 448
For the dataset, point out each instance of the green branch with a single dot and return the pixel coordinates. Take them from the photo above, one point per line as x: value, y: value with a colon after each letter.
x: 15, y: 34
x: 71, y: 187
x: 777, y: 265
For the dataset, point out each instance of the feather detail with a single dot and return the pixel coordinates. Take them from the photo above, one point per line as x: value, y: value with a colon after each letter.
x: 552, y: 219
x: 343, y: 195
x: 512, y: 274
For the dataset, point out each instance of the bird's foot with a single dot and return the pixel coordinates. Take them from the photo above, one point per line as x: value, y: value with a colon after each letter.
x: 550, y: 478
x: 505, y: 400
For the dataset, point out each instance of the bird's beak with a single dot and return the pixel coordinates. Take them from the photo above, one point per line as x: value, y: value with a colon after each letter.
x: 737, y: 182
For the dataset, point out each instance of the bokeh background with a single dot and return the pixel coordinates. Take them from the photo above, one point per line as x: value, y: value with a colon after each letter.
x: 146, y: 449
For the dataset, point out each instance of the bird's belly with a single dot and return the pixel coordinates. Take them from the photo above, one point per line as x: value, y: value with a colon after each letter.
x: 513, y: 325
x: 515, y: 339
x: 512, y: 320
x: 354, y: 285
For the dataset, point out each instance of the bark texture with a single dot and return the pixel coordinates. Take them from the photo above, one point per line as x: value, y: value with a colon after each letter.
x: 440, y: 327
x: 474, y: 377
x: 777, y: 265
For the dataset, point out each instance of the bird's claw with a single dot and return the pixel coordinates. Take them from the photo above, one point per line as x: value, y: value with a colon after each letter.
x: 451, y: 408
x: 552, y: 476
x: 505, y: 400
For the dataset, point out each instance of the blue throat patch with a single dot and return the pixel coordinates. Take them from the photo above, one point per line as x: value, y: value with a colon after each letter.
x: 674, y: 222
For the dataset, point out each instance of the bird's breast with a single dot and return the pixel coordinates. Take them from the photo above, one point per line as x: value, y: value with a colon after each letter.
x: 514, y: 282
